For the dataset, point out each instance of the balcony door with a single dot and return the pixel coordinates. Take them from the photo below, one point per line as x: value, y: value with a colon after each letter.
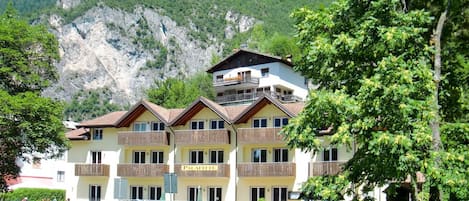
x: 244, y: 76
x: 330, y: 154
x: 96, y: 157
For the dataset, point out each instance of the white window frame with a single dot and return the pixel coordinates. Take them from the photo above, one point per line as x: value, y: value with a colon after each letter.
x: 197, y: 124
x: 60, y: 176
x: 331, y: 153
x: 260, y: 156
x: 195, y: 193
x: 218, y: 154
x: 160, y: 126
x: 200, y: 153
x: 155, y: 188
x: 218, y: 122
x: 257, y: 192
x: 280, y: 193
x: 282, y: 122
x: 138, y: 125
x: 97, y: 195
x: 96, y: 157
x: 139, y: 161
x: 160, y: 156
x: 282, y: 160
x: 260, y: 122
x: 215, y: 188
x: 139, y: 194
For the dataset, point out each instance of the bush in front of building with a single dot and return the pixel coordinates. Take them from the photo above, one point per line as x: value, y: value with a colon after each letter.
x: 33, y: 194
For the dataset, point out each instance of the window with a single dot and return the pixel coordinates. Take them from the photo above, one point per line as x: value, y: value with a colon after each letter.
x: 259, y: 123
x: 157, y: 157
x: 136, y: 192
x: 95, y: 193
x: 36, y: 162
x: 280, y: 122
x: 193, y: 193
x: 197, y: 156
x: 265, y: 72
x: 216, y: 156
x: 281, y: 155
x: 330, y: 154
x: 217, y: 124
x: 140, y: 126
x: 98, y: 134
x: 259, y: 155
x: 138, y: 157
x: 60, y: 176
x: 219, y: 78
x: 257, y: 193
x: 96, y: 157
x: 157, y: 126
x: 155, y: 193
x: 214, y: 194
x: 279, y: 194
x: 197, y: 125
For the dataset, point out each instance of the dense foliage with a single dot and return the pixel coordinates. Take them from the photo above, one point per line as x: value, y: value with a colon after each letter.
x: 179, y: 93
x: 374, y: 62
x: 34, y: 194
x: 89, y: 104
x: 29, y: 123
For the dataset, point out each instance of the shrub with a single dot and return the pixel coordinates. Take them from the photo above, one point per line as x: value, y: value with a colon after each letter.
x: 34, y: 194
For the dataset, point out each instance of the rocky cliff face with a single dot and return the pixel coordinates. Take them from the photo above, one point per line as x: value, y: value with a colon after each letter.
x: 125, y: 52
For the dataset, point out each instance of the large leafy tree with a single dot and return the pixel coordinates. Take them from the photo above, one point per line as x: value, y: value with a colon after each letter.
x: 179, y: 93
x: 376, y: 63
x: 29, y: 123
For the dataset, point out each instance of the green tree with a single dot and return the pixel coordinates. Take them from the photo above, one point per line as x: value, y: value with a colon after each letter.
x: 179, y: 93
x: 29, y: 123
x: 374, y: 62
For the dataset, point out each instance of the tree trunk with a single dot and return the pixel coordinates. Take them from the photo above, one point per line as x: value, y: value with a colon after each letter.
x: 435, y: 191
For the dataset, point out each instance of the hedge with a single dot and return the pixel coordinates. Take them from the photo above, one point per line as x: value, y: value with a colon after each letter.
x: 33, y: 194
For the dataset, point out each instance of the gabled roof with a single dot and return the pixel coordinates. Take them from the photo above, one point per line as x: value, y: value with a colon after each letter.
x: 258, y: 105
x: 107, y: 120
x: 196, y: 107
x: 244, y: 57
x: 139, y: 108
x: 78, y: 134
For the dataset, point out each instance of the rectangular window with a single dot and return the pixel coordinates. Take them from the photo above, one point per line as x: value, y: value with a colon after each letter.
x: 214, y: 194
x: 60, y: 176
x: 280, y: 122
x: 136, y: 192
x: 140, y: 126
x: 98, y: 134
x: 265, y: 72
x: 155, y: 193
x: 139, y: 157
x: 259, y: 123
x: 196, y: 156
x: 193, y: 193
x: 157, y: 126
x: 96, y: 157
x: 197, y: 125
x: 279, y: 194
x: 216, y: 156
x: 217, y: 124
x: 259, y: 155
x: 281, y: 155
x: 157, y: 157
x: 95, y: 193
x: 219, y: 78
x: 257, y: 193
x: 330, y: 154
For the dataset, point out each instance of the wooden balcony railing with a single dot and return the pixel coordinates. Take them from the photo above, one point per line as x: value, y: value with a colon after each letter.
x: 266, y: 169
x: 92, y: 170
x: 202, y: 170
x: 322, y: 168
x: 201, y: 137
x: 259, y: 135
x: 141, y: 170
x: 152, y: 138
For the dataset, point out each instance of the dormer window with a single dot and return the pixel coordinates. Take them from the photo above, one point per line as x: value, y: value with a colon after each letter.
x: 265, y: 72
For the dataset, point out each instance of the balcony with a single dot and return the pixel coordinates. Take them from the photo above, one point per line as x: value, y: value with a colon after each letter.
x: 260, y: 135
x: 202, y: 137
x: 202, y: 170
x: 266, y: 169
x: 238, y: 81
x: 250, y: 97
x: 92, y: 170
x: 141, y: 170
x: 152, y: 138
x: 322, y: 168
